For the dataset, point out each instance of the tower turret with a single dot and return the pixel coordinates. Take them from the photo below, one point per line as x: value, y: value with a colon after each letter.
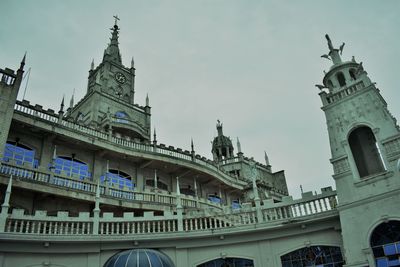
x: 365, y: 146
x: 222, y: 147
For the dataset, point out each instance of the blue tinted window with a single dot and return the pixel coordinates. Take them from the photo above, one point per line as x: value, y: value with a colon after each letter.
x: 20, y: 153
x: 121, y: 117
x: 381, y: 262
x: 71, y: 166
x: 214, y: 199
x: 389, y: 249
x: 117, y: 178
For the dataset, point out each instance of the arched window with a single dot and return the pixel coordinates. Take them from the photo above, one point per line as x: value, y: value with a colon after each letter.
x: 20, y: 153
x: 352, y: 73
x: 71, y: 166
x: 118, y: 178
x: 385, y: 244
x: 160, y: 184
x: 228, y: 262
x: 329, y: 83
x: 121, y: 117
x: 365, y: 151
x: 214, y: 198
x: 323, y: 256
x: 341, y: 78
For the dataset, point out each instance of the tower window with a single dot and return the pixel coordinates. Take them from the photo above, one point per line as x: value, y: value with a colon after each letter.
x: 352, y: 73
x: 341, y: 79
x: 365, y: 151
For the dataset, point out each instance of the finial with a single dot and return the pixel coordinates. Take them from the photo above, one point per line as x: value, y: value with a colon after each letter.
x: 219, y: 128
x: 62, y: 105
x: 71, y: 102
x: 154, y: 135
x: 147, y: 100
x: 329, y: 42
x: 132, y: 63
x: 341, y: 48
x: 333, y: 52
x: 116, y: 19
x: 21, y: 67
x: 266, y: 159
x: 55, y: 153
x: 92, y: 65
x: 239, y: 147
x: 191, y: 144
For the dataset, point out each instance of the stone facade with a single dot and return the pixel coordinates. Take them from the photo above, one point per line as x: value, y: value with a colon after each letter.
x: 85, y: 183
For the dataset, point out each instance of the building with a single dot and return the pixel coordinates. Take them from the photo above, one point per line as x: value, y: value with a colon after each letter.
x: 90, y: 185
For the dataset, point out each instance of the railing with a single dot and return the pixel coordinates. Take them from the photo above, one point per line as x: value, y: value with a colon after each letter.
x: 50, y: 116
x: 34, y: 175
x: 7, y: 76
x: 277, y: 213
x: 331, y: 98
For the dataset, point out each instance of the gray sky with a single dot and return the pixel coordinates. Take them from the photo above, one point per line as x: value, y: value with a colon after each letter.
x: 251, y: 64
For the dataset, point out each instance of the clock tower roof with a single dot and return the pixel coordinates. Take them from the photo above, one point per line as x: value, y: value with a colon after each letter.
x: 111, y: 53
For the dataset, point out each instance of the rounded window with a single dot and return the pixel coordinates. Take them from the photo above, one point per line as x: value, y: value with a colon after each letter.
x: 385, y: 244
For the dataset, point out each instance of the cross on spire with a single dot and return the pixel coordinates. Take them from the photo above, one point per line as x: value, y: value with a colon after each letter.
x: 116, y: 19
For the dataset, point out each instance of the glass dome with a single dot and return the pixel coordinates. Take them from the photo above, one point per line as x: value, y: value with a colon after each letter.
x: 139, y: 258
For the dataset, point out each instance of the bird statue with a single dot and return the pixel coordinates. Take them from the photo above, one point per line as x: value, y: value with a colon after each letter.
x: 320, y: 86
x: 326, y: 56
x: 341, y: 48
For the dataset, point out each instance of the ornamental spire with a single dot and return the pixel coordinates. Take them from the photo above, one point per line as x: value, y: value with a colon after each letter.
x: 333, y: 52
x: 112, y: 52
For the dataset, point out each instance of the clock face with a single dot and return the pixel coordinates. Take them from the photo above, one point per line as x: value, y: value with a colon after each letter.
x: 119, y: 77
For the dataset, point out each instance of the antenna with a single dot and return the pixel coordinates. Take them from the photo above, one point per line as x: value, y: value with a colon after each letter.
x: 28, y: 73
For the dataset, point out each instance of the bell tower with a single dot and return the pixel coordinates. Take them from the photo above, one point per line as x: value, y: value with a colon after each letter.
x: 109, y: 101
x: 365, y: 147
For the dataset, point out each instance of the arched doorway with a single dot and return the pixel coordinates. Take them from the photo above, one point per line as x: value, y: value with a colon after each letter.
x: 365, y: 151
x: 385, y: 244
x: 228, y: 262
x: 324, y: 256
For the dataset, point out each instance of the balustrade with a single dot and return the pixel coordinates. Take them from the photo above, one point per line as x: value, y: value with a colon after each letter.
x: 53, y: 118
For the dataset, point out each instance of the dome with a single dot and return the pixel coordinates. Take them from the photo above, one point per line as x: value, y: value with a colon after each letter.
x: 139, y: 258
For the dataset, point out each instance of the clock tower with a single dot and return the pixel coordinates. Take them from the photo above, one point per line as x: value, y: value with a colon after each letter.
x: 109, y: 100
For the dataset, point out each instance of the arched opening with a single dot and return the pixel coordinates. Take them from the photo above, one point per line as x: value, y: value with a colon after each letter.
x: 160, y: 184
x: 365, y: 151
x: 20, y: 153
x: 228, y: 262
x: 118, y: 178
x: 329, y: 84
x: 385, y: 244
x: 352, y: 73
x: 71, y: 166
x: 313, y: 256
x: 341, y: 79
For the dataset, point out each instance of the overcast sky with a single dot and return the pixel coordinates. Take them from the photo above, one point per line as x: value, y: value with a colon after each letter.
x: 251, y: 64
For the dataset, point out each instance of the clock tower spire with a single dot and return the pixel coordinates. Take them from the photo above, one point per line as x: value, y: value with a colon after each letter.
x: 112, y: 51
x: 111, y: 89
